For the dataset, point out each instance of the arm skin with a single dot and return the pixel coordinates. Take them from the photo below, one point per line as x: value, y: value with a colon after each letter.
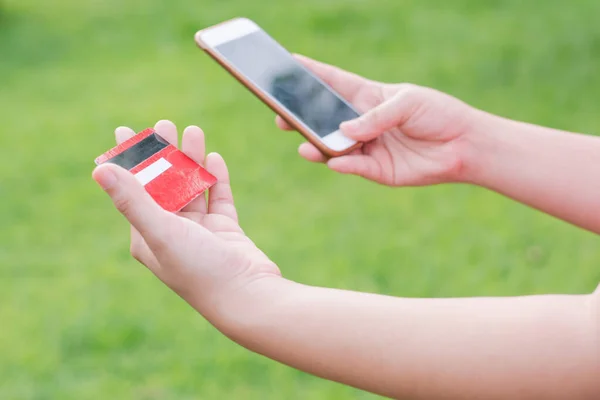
x: 537, y: 347
x: 556, y: 172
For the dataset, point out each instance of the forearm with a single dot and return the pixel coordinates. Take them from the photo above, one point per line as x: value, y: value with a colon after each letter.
x: 554, y: 171
x: 518, y: 348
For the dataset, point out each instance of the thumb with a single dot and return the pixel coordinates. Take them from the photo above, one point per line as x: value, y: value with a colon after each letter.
x: 389, y: 114
x: 132, y: 200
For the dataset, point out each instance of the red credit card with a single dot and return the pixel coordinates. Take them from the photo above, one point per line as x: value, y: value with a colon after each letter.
x: 169, y: 176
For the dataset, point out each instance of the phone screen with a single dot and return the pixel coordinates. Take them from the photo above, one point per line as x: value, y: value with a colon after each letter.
x: 270, y: 67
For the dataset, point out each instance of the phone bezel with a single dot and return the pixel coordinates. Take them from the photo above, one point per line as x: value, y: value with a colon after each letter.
x: 208, y: 39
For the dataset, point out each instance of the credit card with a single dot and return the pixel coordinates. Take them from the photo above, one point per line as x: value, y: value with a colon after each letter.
x: 169, y: 176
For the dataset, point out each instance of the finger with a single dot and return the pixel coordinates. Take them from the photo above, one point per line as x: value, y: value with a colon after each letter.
x: 138, y: 247
x: 123, y: 133
x: 281, y: 124
x: 220, y: 198
x: 345, y: 83
x: 132, y: 200
x: 390, y: 114
x: 167, y: 130
x: 358, y: 164
x: 311, y: 153
x: 193, y: 145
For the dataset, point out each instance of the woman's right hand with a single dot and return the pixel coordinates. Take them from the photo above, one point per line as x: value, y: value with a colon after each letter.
x: 413, y: 135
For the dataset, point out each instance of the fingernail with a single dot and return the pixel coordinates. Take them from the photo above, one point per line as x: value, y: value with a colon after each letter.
x: 349, y: 128
x: 352, y: 124
x: 105, y: 177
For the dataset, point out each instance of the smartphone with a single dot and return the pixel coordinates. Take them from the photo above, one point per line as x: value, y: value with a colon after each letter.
x: 269, y: 71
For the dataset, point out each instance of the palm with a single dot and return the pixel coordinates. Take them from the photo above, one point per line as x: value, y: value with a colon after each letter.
x: 218, y: 215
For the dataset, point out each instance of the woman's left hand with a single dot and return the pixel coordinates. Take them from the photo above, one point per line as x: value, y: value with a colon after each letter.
x: 201, y: 252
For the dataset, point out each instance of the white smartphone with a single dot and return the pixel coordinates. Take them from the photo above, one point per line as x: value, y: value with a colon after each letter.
x: 266, y: 68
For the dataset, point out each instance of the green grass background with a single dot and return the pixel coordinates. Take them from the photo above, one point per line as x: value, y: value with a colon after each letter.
x: 79, y: 319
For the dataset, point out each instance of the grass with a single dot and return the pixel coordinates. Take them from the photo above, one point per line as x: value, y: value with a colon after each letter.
x: 81, y: 320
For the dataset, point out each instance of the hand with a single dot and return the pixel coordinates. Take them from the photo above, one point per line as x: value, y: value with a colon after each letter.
x: 413, y: 135
x: 201, y: 252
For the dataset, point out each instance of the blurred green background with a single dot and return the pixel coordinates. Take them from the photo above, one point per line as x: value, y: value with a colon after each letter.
x: 79, y: 319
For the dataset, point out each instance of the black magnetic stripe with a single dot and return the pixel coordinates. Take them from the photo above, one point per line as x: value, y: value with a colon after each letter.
x: 139, y: 152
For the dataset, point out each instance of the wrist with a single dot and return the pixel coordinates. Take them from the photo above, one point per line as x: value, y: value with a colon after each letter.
x: 478, y: 145
x: 241, y: 309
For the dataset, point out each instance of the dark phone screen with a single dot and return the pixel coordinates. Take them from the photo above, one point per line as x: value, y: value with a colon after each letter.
x: 258, y: 57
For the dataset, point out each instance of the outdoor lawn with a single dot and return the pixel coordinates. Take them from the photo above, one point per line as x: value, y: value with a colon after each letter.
x: 80, y: 319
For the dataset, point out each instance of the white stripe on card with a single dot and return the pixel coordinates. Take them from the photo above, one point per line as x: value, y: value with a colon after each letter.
x: 152, y: 171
